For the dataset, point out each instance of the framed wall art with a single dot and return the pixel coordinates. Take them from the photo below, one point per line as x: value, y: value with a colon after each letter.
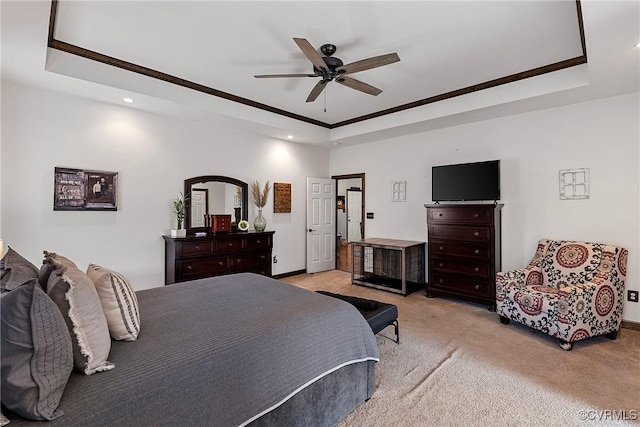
x: 84, y: 190
x: 281, y: 197
x: 574, y: 184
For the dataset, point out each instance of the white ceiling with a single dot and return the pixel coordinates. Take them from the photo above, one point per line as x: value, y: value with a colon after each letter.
x: 443, y: 46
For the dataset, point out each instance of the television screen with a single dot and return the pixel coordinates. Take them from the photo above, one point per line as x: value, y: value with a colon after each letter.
x: 468, y: 181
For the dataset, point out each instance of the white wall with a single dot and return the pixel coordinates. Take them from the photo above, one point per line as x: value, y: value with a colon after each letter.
x: 153, y: 155
x: 602, y: 135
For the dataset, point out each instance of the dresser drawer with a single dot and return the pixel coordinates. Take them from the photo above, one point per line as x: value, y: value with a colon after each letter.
x: 456, y: 284
x: 467, y: 234
x: 245, y: 262
x: 480, y: 269
x: 259, y: 241
x: 223, y: 245
x: 196, y: 248
x: 480, y: 250
x: 460, y: 215
x: 189, y: 270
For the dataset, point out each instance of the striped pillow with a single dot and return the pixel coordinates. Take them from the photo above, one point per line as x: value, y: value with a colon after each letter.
x: 119, y: 302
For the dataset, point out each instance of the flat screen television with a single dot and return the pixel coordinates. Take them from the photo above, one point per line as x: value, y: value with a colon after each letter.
x: 466, y: 181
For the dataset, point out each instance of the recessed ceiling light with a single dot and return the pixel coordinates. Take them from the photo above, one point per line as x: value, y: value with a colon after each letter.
x: 289, y: 136
x: 127, y: 100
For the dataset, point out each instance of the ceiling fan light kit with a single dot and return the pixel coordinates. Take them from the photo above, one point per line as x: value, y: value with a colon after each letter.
x: 330, y: 68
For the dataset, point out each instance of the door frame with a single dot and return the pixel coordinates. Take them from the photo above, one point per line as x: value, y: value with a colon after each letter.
x: 351, y: 176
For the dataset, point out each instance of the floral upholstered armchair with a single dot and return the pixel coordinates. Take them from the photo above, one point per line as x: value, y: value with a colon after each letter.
x: 569, y: 290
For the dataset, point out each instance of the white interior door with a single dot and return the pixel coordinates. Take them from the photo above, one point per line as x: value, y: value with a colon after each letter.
x: 354, y: 215
x: 321, y: 210
x: 198, y: 206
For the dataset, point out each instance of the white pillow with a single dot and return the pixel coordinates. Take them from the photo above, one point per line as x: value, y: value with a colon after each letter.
x: 119, y: 302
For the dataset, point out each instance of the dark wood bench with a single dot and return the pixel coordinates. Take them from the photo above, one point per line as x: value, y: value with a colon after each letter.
x: 379, y: 315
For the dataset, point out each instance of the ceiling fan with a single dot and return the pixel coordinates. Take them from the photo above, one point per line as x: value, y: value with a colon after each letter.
x: 331, y: 68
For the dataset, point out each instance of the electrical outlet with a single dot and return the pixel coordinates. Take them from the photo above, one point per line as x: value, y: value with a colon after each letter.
x: 632, y: 296
x: 275, y: 259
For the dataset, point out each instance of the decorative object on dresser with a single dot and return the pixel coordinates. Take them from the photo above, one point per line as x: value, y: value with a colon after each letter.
x: 178, y: 208
x: 191, y: 257
x: 243, y: 225
x: 388, y: 264
x: 464, y: 251
x: 220, y: 223
x: 570, y: 290
x: 260, y: 197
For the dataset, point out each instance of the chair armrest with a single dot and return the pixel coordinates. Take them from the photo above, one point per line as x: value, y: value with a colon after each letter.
x: 598, y: 303
x: 524, y: 276
x: 511, y: 276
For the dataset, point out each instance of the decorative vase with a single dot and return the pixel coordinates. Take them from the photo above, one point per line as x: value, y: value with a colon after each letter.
x: 259, y: 223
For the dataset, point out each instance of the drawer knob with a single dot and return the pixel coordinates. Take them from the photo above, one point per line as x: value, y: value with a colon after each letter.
x: 476, y: 269
x: 220, y: 263
x: 189, y: 267
x: 477, y: 287
x: 439, y: 214
x: 262, y: 257
x: 258, y: 241
x: 441, y: 280
x: 238, y: 260
x: 440, y: 265
x: 442, y: 248
x: 475, y: 215
x: 477, y: 251
x: 197, y: 248
x: 477, y: 233
x: 230, y: 244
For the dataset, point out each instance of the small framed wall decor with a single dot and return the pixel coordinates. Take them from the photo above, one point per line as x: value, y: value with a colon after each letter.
x: 574, y: 184
x: 398, y: 191
x: 281, y: 197
x: 84, y: 190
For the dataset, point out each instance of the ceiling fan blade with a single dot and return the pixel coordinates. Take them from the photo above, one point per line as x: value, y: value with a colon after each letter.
x: 358, y: 85
x: 317, y: 90
x: 369, y: 63
x: 311, y: 53
x: 276, y: 76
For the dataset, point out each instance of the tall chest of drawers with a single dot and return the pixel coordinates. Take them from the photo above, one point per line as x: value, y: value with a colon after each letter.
x: 190, y: 258
x: 464, y: 251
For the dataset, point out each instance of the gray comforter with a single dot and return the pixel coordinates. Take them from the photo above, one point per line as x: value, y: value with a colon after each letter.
x: 218, y: 351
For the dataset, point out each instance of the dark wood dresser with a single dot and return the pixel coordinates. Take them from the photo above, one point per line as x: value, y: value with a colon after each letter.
x: 189, y: 258
x: 464, y: 251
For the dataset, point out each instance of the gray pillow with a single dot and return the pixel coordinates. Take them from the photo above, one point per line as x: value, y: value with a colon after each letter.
x: 76, y: 296
x: 16, y: 270
x: 37, y: 358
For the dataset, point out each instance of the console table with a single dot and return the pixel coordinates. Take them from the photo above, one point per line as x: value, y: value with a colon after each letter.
x: 388, y: 264
x: 191, y: 257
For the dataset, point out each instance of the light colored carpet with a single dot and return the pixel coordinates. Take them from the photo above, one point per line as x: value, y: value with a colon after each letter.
x: 457, y: 365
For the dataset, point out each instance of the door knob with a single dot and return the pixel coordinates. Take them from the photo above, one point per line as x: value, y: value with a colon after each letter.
x: 310, y: 230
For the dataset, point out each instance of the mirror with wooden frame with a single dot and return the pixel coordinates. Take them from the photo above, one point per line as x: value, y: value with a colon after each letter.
x: 217, y: 195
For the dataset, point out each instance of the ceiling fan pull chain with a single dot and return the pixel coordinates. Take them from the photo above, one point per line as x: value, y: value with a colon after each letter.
x: 325, y: 100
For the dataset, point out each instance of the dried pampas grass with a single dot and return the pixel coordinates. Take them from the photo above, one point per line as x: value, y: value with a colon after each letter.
x: 260, y: 195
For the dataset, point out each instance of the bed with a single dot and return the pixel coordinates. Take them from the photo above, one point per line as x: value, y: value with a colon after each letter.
x: 232, y: 350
